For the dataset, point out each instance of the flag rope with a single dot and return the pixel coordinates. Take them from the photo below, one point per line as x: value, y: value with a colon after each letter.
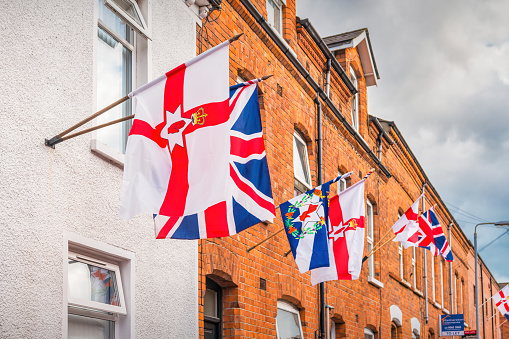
x: 60, y: 137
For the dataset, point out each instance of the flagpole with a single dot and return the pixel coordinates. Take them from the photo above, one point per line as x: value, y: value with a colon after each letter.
x: 278, y: 206
x: 373, y: 251
x: 59, y: 137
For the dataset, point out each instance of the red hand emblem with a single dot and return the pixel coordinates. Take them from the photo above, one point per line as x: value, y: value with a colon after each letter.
x: 176, y: 126
x: 306, y: 214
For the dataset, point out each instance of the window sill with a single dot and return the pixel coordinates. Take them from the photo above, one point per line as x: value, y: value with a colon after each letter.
x: 446, y: 311
x: 465, y: 324
x: 419, y: 293
x: 375, y: 282
x: 437, y: 305
x: 107, y: 153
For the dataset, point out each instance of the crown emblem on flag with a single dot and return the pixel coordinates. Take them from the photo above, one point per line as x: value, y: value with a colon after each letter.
x: 198, y: 117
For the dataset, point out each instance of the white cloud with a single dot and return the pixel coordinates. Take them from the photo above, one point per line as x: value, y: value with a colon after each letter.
x: 444, y: 68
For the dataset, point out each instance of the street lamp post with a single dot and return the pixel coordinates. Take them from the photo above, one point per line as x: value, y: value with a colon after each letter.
x: 499, y: 223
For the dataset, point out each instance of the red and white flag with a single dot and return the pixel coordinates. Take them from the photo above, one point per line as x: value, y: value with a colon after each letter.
x: 407, y: 226
x: 501, y: 300
x: 346, y: 236
x: 177, y: 157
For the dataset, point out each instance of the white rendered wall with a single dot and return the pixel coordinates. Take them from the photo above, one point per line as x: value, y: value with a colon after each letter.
x: 47, y: 84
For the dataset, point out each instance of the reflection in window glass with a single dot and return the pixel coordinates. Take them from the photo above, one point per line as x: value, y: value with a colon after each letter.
x: 274, y: 14
x: 300, y: 161
x: 210, y: 303
x: 88, y: 282
x: 288, y: 325
x: 114, y: 77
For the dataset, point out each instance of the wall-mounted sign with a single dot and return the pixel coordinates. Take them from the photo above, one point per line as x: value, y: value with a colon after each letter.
x: 470, y: 334
x: 452, y: 324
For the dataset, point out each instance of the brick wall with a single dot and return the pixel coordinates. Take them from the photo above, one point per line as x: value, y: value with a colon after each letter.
x: 287, y: 104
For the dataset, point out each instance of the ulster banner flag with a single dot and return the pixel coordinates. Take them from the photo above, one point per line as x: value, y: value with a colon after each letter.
x: 346, y: 236
x: 191, y: 150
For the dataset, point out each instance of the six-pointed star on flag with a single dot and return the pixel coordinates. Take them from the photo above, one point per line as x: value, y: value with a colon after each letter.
x: 175, y: 126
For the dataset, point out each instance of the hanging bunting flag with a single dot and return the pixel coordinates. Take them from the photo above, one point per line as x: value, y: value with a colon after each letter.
x: 407, y: 227
x: 249, y: 199
x: 502, y: 301
x: 346, y: 236
x: 432, y: 236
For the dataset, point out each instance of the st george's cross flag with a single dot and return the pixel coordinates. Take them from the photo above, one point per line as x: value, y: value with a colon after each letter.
x: 178, y: 157
x: 501, y: 300
x: 346, y: 236
x: 249, y: 198
x: 407, y: 227
x: 434, y: 238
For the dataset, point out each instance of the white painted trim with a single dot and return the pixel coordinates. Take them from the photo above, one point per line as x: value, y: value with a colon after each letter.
x: 286, y: 306
x: 125, y: 326
x: 107, y: 152
x: 141, y: 29
x: 93, y: 304
x: 302, y: 180
x: 396, y: 315
x: 416, y: 326
x: 375, y: 282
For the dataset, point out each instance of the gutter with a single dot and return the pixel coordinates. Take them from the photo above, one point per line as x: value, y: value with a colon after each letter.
x: 328, y: 54
x: 293, y: 59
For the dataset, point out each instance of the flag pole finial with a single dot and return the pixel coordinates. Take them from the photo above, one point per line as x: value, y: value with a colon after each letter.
x: 235, y: 37
x: 265, y: 77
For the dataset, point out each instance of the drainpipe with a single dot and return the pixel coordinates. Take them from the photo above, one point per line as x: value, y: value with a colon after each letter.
x: 425, y: 263
x: 320, y: 181
x: 286, y: 50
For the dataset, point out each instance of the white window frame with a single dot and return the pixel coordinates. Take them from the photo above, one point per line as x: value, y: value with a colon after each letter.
x: 279, y: 5
x: 455, y: 307
x: 94, y: 304
x: 305, y: 181
x: 414, y: 268
x: 369, y: 332
x: 125, y: 260
x: 461, y: 297
x: 355, y: 101
x: 370, y: 229
x: 141, y: 29
x: 332, y: 329
x: 286, y: 306
x: 341, y: 183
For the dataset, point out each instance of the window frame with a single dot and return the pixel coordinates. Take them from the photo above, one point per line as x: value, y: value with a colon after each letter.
x: 354, y: 109
x: 95, y: 305
x: 278, y: 5
x: 141, y: 29
x: 286, y: 306
x: 370, y: 239
x: 441, y: 282
x: 433, y: 277
x: 215, y: 287
x: 341, y: 183
x: 307, y: 184
x: 369, y: 332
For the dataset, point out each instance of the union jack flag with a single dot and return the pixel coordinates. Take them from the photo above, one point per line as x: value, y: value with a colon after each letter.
x: 249, y: 191
x: 438, y: 244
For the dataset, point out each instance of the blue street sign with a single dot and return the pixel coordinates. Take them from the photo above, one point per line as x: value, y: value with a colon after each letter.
x: 452, y: 324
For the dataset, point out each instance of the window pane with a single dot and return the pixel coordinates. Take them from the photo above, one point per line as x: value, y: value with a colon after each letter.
x: 300, y: 161
x: 114, y: 80
x: 270, y: 12
x: 111, y: 20
x: 89, y: 328
x: 92, y: 283
x: 210, y: 303
x: 370, y: 221
x: 288, y: 326
x: 128, y: 7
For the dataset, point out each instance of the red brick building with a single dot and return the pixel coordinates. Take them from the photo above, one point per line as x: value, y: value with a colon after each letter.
x: 242, y: 294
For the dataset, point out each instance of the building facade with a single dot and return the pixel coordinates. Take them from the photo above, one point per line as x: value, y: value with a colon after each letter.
x: 401, y: 293
x: 64, y: 251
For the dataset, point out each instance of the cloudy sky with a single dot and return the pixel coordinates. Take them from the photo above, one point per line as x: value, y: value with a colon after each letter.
x: 444, y: 80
